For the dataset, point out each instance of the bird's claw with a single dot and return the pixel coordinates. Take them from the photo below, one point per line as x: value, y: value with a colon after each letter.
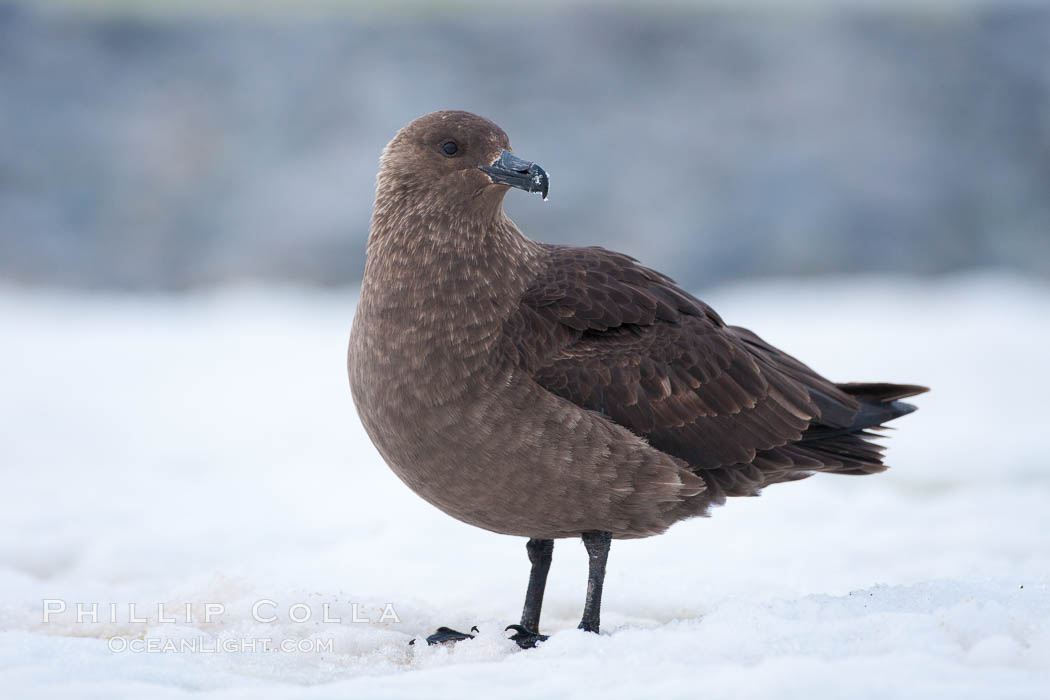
x: 526, y: 638
x: 447, y: 634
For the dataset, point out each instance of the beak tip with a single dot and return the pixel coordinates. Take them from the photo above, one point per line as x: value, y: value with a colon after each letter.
x: 543, y: 184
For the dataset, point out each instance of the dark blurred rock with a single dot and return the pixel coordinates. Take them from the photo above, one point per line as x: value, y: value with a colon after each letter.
x: 176, y: 152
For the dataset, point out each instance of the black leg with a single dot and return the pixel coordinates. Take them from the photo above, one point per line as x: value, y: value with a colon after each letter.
x: 540, y: 552
x: 597, y: 544
x: 527, y: 633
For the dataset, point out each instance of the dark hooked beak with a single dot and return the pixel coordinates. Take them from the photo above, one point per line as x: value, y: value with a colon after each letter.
x: 511, y: 170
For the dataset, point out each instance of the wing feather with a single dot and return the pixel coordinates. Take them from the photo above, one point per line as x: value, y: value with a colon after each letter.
x: 600, y: 330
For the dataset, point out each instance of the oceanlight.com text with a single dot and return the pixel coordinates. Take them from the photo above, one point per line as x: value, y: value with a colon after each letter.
x: 209, y: 645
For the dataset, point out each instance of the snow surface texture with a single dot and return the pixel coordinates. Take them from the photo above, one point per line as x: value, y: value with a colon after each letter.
x: 204, y: 449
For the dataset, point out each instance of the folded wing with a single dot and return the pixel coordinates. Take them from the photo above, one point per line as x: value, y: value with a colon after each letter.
x: 600, y: 330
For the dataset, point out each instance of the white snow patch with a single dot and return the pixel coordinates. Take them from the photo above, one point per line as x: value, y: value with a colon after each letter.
x: 204, y: 449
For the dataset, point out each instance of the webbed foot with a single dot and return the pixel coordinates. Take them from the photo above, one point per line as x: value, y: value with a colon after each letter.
x: 526, y: 638
x: 447, y: 634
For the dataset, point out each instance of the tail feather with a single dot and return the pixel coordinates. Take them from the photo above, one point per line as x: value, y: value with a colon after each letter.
x: 882, y: 391
x: 878, y: 404
x: 842, y: 443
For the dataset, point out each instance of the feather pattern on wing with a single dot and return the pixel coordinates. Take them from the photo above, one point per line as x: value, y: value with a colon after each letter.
x: 600, y: 330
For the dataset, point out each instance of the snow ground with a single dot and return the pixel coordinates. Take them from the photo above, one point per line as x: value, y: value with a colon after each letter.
x: 204, y: 449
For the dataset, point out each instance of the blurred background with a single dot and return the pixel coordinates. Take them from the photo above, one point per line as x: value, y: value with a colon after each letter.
x: 185, y: 194
x: 151, y: 145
